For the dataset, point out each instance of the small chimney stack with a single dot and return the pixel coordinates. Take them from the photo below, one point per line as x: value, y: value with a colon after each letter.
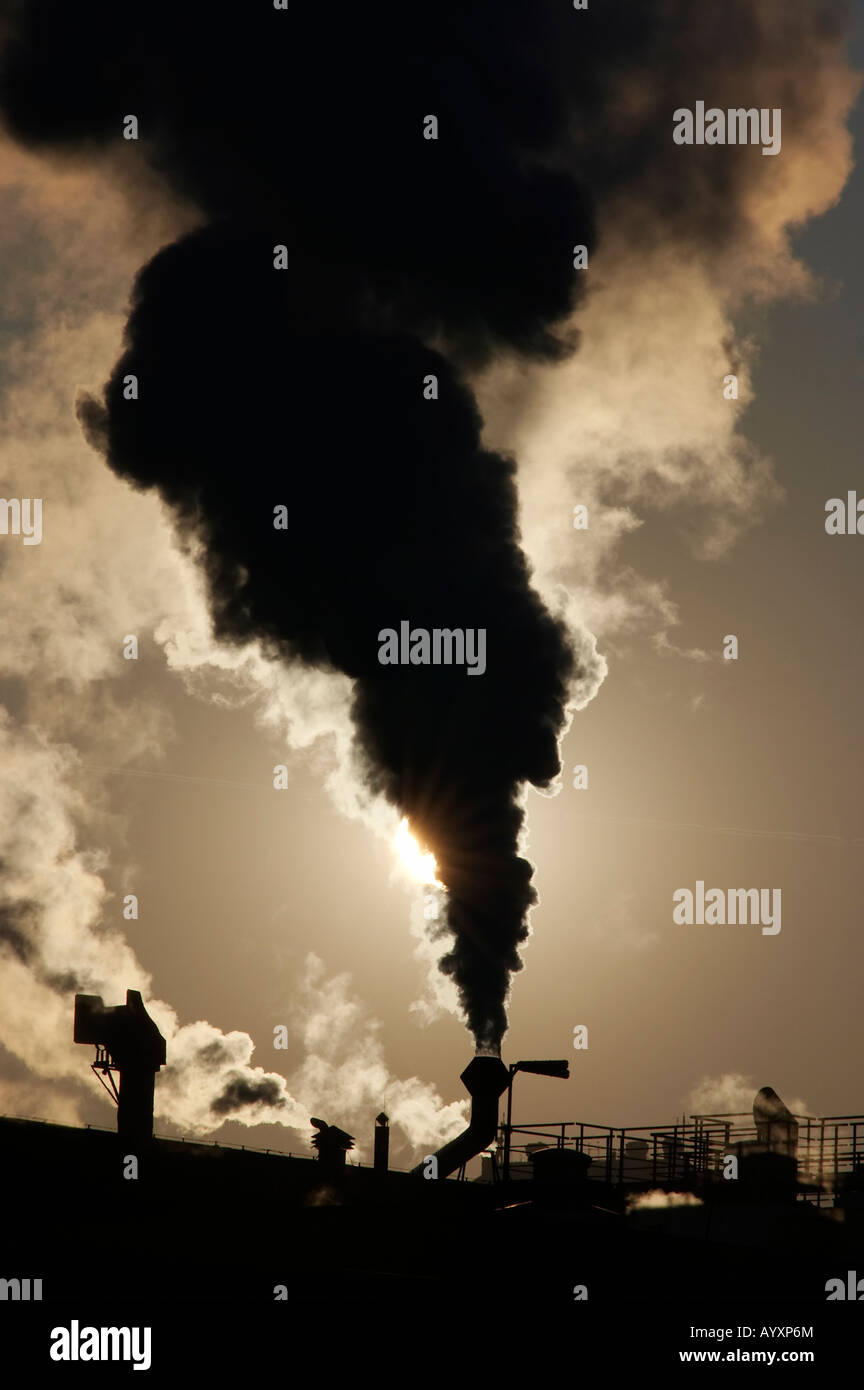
x: 332, y: 1144
x: 382, y: 1143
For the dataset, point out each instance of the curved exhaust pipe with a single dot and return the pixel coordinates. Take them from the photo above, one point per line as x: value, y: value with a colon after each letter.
x: 485, y: 1078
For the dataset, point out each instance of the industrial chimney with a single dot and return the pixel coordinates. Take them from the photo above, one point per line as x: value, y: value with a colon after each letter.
x: 382, y: 1143
x: 485, y: 1078
x: 127, y: 1041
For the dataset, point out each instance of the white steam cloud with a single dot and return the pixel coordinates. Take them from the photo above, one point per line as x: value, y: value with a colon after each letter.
x: 731, y: 1093
x: 108, y: 566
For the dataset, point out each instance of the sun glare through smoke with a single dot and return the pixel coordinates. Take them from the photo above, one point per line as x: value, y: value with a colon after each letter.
x: 421, y: 866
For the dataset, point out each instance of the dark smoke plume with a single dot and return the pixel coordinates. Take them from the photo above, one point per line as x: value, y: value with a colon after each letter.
x: 239, y: 1092
x: 304, y: 388
x: 407, y: 257
x: 395, y: 511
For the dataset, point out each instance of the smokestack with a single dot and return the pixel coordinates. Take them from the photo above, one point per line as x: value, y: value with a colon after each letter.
x: 127, y: 1041
x: 382, y: 1143
x: 485, y: 1078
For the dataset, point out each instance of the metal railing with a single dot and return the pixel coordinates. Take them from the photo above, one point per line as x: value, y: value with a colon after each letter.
x: 827, y: 1149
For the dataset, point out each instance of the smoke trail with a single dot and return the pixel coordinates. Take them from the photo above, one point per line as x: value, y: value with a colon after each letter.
x: 108, y: 565
x: 306, y: 389
x: 400, y: 251
x: 422, y: 525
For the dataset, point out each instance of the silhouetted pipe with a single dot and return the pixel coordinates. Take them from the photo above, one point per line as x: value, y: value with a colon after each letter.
x: 382, y: 1143
x: 485, y: 1078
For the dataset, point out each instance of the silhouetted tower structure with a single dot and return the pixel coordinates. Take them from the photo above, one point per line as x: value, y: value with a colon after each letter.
x: 382, y: 1143
x: 128, y: 1042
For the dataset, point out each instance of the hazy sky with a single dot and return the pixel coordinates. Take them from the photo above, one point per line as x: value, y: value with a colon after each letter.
x: 260, y: 907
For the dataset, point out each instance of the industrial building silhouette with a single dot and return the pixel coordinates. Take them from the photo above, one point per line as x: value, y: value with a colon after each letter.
x: 568, y: 1210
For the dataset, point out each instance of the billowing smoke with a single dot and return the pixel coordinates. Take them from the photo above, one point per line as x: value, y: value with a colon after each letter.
x: 636, y: 425
x: 71, y: 718
x: 411, y: 259
x: 730, y: 1094
x: 53, y: 943
x: 305, y: 389
x: 395, y: 513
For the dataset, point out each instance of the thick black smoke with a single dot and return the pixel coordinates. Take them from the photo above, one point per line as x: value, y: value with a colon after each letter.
x: 305, y: 387
x: 395, y: 512
x: 407, y: 258
x: 239, y: 1092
